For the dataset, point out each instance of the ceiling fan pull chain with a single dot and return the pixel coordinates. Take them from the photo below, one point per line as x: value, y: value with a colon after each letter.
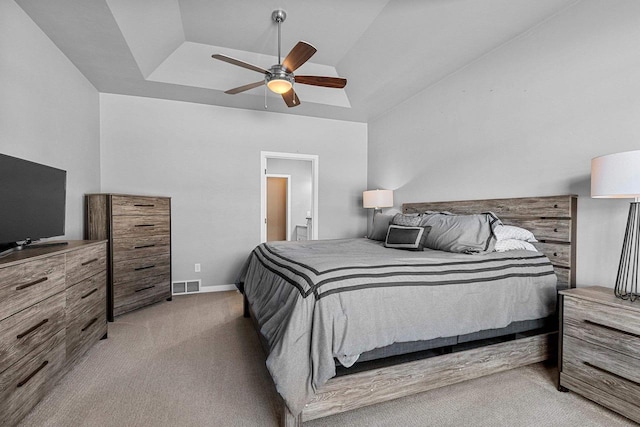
x: 265, y: 97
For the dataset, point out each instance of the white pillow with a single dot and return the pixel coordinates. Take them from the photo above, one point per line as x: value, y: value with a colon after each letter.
x: 514, y: 245
x: 507, y: 232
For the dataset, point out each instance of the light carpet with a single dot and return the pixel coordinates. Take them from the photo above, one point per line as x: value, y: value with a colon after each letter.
x: 195, y: 361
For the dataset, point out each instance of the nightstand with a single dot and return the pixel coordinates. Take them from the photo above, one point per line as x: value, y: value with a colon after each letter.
x: 599, y: 349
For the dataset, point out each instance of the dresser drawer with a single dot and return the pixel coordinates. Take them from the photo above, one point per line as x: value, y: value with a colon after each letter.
x: 24, y: 284
x: 614, y: 328
x: 28, y: 381
x: 85, y: 263
x: 141, y: 292
x: 89, y: 325
x: 86, y: 294
x: 28, y: 330
x: 139, y: 247
x: 140, y: 205
x: 614, y: 373
x: 135, y: 270
x: 140, y: 226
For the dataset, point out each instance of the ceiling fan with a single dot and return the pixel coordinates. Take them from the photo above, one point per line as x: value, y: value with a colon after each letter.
x: 280, y: 78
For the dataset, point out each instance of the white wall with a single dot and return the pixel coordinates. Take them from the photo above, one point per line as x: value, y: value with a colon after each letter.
x: 49, y: 112
x: 207, y: 158
x: 525, y: 120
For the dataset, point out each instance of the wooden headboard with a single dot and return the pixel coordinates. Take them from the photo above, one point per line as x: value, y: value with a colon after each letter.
x: 551, y: 219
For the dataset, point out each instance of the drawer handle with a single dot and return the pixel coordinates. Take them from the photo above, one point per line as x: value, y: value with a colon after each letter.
x: 143, y: 205
x: 31, y: 329
x: 91, y: 322
x: 143, y: 246
x: 89, y: 262
x: 35, y: 282
x: 144, y: 225
x: 90, y: 292
x: 145, y: 267
x: 610, y: 328
x: 32, y: 374
x: 613, y: 374
x: 144, y: 289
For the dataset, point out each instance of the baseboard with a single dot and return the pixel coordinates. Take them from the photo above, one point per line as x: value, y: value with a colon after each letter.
x: 218, y: 288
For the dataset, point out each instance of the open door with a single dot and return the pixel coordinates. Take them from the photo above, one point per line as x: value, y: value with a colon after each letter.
x: 277, y: 219
x: 302, y: 193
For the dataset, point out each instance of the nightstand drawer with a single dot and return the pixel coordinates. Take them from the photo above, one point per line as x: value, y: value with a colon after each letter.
x: 125, y: 248
x: 614, y: 373
x: 28, y: 330
x: 141, y: 226
x: 24, y: 284
x: 140, y: 205
x: 611, y: 327
x: 85, y: 263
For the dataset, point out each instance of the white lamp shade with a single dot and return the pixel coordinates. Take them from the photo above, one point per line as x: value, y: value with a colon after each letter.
x: 377, y: 199
x: 616, y: 175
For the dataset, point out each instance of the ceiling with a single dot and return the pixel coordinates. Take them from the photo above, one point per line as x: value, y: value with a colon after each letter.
x: 387, y: 49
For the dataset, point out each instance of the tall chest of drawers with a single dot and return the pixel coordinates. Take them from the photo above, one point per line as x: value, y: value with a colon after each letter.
x: 600, y: 348
x: 52, y: 310
x: 139, y: 260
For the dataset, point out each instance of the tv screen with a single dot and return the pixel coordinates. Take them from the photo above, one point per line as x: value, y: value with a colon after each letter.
x: 32, y: 200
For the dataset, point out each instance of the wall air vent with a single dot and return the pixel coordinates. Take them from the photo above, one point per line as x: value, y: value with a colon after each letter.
x: 186, y: 287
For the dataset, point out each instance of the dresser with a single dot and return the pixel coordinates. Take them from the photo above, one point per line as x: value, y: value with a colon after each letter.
x: 599, y: 351
x: 139, y: 257
x: 52, y: 310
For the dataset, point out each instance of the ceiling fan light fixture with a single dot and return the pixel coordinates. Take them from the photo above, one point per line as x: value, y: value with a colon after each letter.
x: 278, y: 80
x: 279, y: 86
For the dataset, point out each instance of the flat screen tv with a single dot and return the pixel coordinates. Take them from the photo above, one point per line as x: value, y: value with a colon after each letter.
x: 32, y: 201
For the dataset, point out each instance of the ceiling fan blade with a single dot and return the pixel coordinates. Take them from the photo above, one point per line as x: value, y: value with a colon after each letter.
x: 335, y: 82
x: 244, y: 88
x: 239, y: 63
x: 291, y: 99
x: 298, y: 56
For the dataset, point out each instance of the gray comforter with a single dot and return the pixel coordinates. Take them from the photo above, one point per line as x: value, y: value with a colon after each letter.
x: 317, y: 300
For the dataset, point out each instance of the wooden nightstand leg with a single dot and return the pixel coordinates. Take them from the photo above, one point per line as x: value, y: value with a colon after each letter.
x: 560, y: 333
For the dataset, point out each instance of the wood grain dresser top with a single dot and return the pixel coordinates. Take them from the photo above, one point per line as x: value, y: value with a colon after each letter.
x: 35, y: 252
x: 601, y: 295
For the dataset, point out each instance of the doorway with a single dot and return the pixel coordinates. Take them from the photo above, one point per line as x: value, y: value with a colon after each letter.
x: 278, y: 207
x: 289, y: 164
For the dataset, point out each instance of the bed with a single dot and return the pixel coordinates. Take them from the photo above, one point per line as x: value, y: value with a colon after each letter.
x: 322, y: 306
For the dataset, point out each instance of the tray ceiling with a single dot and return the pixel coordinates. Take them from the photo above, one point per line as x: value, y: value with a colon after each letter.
x: 387, y: 49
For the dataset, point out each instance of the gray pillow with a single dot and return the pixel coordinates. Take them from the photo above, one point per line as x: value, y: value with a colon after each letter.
x: 409, y: 220
x: 404, y: 237
x: 469, y: 234
x: 380, y: 225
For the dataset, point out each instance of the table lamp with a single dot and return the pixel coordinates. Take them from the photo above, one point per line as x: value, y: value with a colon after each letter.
x: 618, y: 176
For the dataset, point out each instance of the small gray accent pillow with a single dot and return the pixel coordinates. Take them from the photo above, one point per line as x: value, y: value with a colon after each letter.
x: 380, y: 226
x: 408, y: 220
x: 404, y: 237
x: 468, y: 234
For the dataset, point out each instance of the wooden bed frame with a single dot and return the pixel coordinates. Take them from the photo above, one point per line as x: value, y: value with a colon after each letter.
x: 553, y: 222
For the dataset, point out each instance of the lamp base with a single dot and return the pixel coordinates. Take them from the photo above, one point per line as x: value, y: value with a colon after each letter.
x: 627, y: 279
